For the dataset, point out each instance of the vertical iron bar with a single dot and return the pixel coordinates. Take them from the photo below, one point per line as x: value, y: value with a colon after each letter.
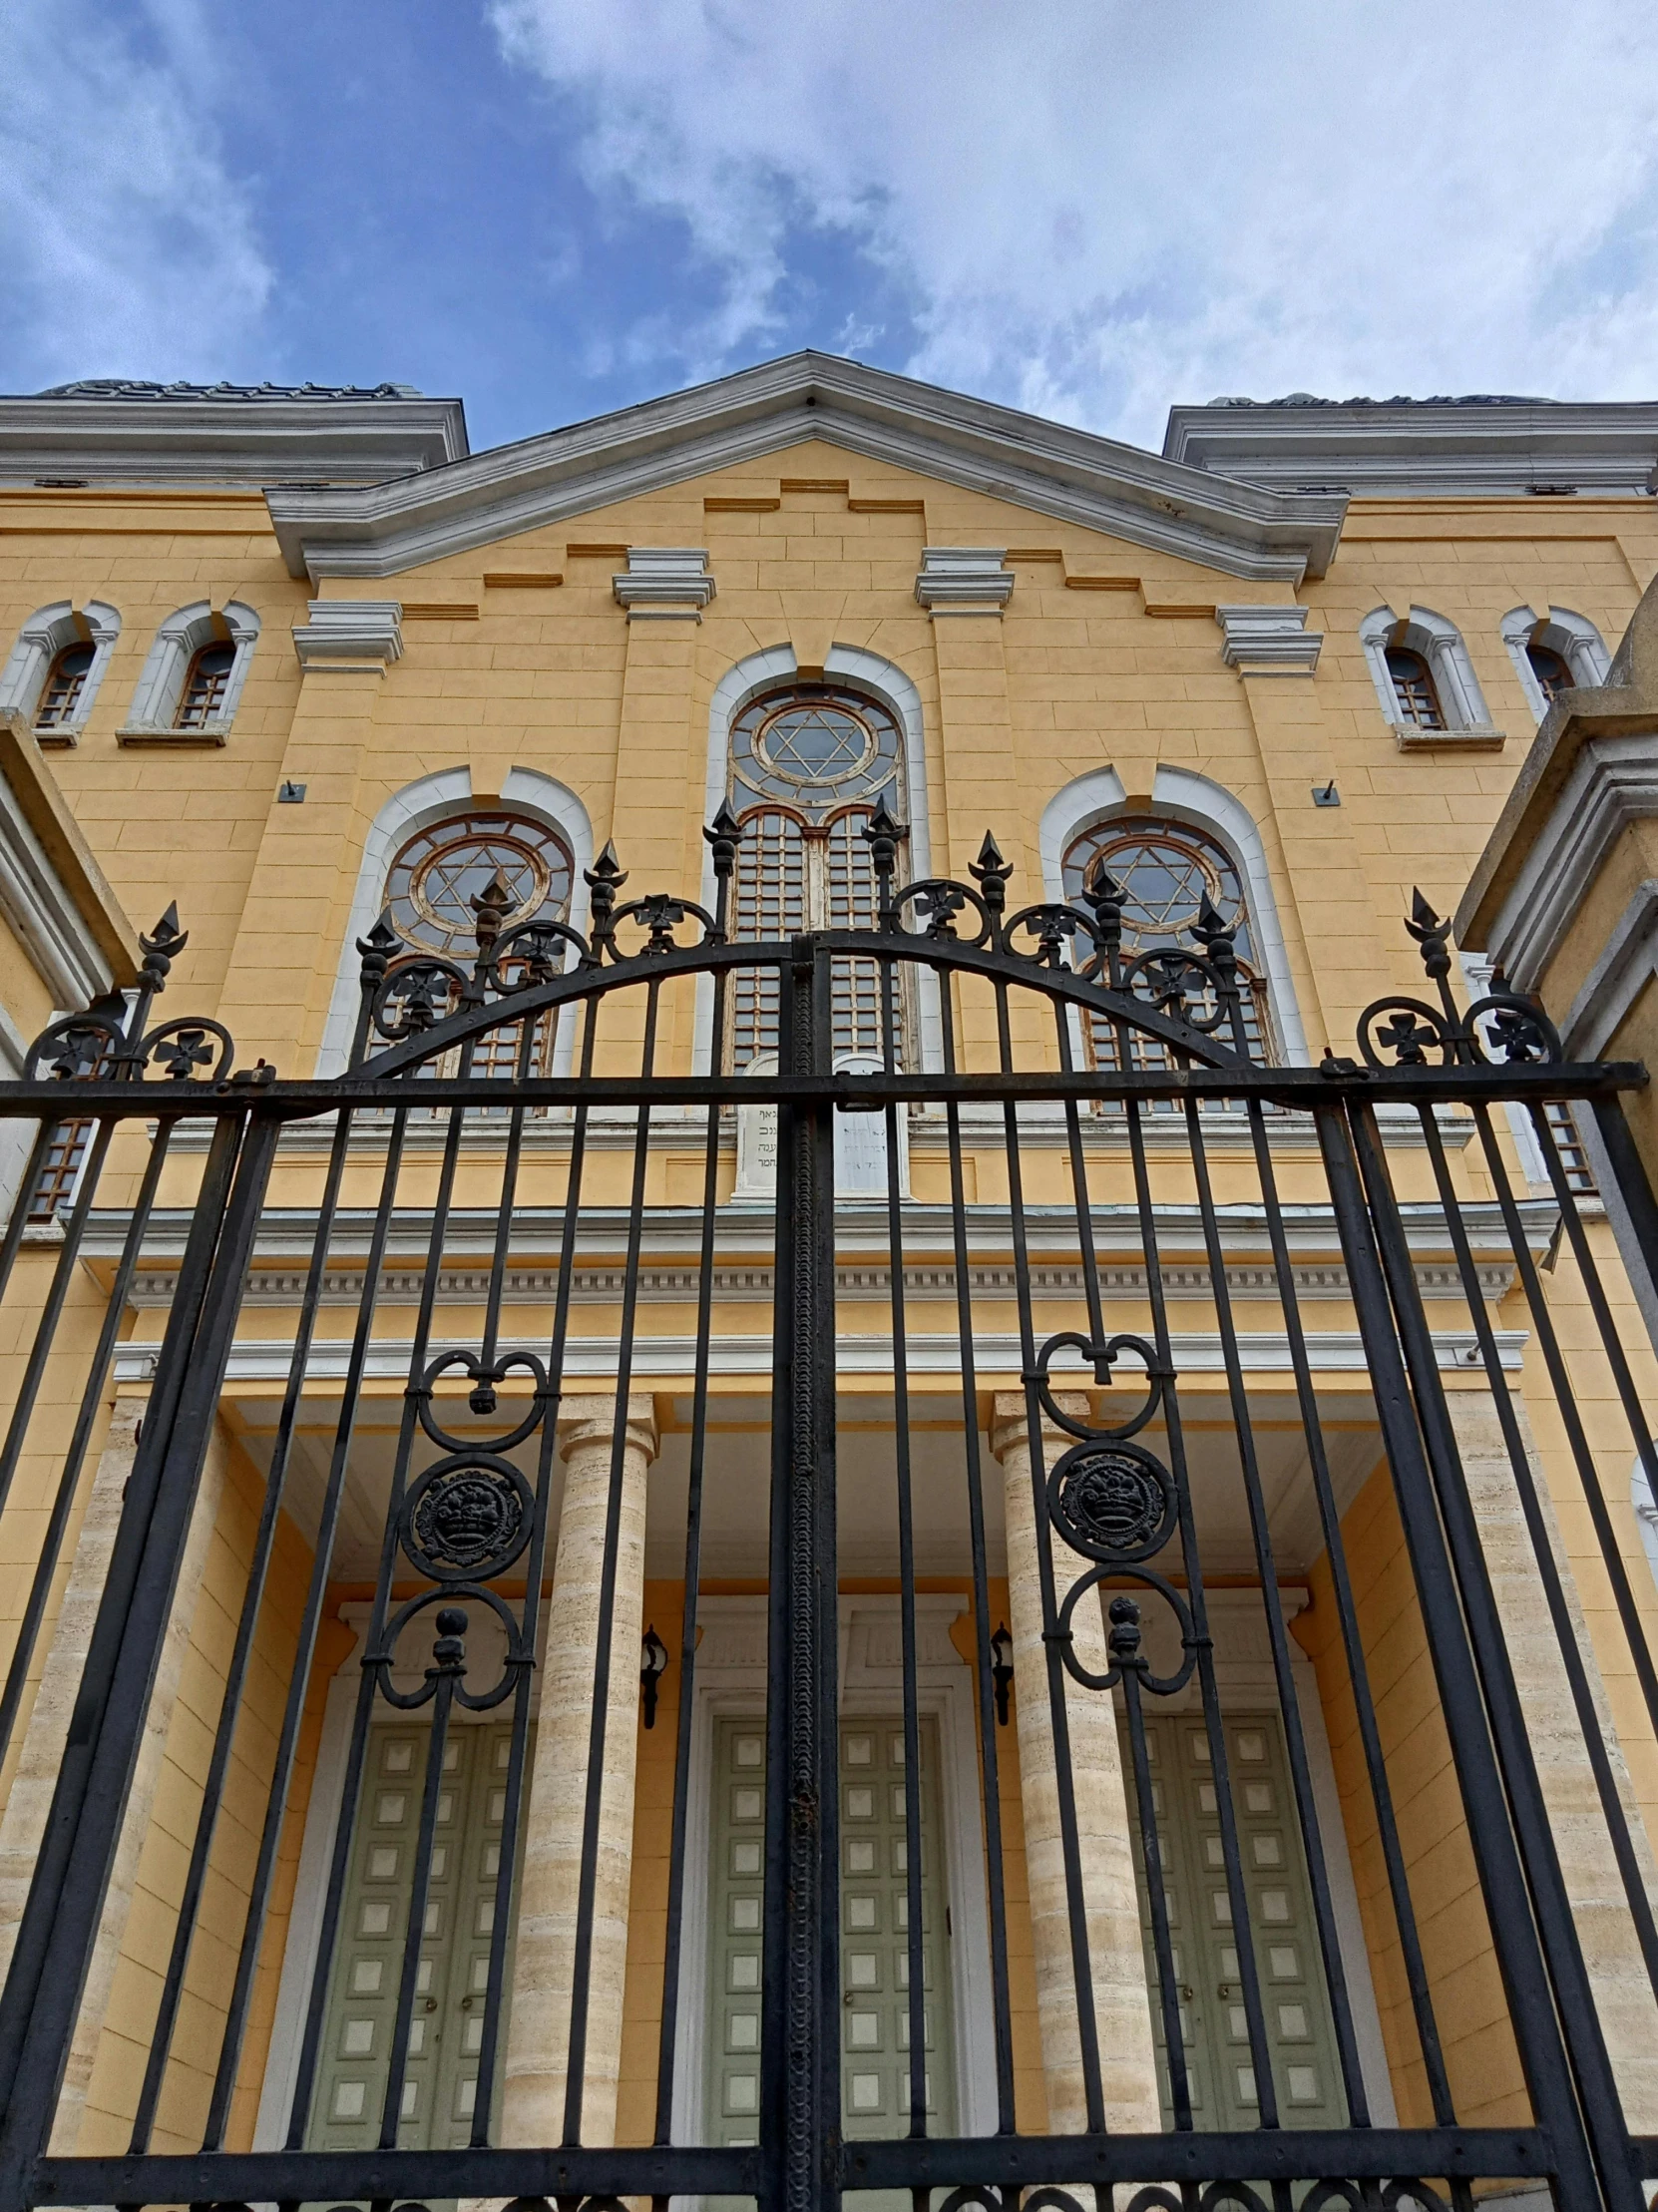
x: 58, y: 1931
x: 1533, y: 2016
x: 800, y: 2040
x: 600, y: 1719
x: 1317, y: 1873
x: 92, y: 1399
x: 1346, y: 1611
x: 995, y: 1865
x: 414, y: 1931
x: 1157, y: 1895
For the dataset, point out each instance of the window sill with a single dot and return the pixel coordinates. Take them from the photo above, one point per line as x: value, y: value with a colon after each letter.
x: 139, y: 733
x: 57, y: 736
x: 1482, y: 737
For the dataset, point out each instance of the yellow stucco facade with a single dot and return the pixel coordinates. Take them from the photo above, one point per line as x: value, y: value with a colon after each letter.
x: 1111, y: 676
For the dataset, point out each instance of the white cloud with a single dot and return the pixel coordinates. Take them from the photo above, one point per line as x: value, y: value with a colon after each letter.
x: 126, y: 247
x: 1093, y: 208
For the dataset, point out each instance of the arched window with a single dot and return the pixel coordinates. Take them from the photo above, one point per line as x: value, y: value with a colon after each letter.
x: 1165, y: 870
x: 66, y: 681
x: 1554, y: 653
x: 437, y: 876
x: 1423, y: 678
x: 807, y: 765
x: 205, y: 683
x: 1415, y: 691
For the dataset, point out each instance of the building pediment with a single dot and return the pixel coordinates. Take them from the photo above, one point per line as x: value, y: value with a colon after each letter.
x: 893, y: 421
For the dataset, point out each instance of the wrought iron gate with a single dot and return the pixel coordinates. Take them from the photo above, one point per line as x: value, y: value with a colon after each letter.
x: 1095, y: 1162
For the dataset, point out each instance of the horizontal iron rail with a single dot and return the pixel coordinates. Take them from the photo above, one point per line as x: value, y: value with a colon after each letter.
x: 324, y: 2177
x: 221, y: 2177
x: 1299, y: 1089
x: 1247, y: 2154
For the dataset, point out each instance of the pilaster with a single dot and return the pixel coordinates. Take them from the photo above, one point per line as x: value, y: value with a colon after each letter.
x: 1324, y: 871
x: 283, y: 964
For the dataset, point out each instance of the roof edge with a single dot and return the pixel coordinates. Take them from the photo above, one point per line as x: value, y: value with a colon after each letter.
x: 1074, y: 475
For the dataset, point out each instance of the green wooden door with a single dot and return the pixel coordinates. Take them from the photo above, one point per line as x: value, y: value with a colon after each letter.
x: 447, y: 2028
x: 1299, y: 2032
x: 875, y: 1985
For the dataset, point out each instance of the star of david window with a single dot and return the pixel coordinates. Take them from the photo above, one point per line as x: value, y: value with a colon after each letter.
x: 1165, y: 870
x: 807, y: 766
x: 432, y: 882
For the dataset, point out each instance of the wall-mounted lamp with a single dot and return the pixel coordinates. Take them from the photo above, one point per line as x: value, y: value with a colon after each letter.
x: 1002, y: 1672
x: 652, y: 1666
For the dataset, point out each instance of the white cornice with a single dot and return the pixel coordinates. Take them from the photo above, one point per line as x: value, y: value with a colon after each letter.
x: 958, y: 578
x: 891, y: 420
x: 349, y: 630
x: 1423, y: 448
x: 1614, y: 782
x: 221, y: 441
x: 1268, y: 641
x: 665, y: 581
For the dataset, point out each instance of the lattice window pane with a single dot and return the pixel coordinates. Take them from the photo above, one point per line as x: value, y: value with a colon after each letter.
x: 769, y: 902
x: 60, y: 1170
x: 1164, y: 871
x: 1413, y: 688
x: 63, y: 686
x: 1568, y: 1144
x: 208, y: 679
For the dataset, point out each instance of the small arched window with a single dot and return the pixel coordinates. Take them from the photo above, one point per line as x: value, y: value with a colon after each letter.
x: 1414, y: 689
x: 808, y: 765
x: 1165, y: 870
x: 436, y: 877
x: 207, y: 681
x: 66, y: 683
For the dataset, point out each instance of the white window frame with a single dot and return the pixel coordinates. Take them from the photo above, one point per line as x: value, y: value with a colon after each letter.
x: 1441, y: 645
x: 1184, y: 796
x: 436, y: 799
x: 43, y: 636
x: 1574, y: 637
x: 160, y: 682
x: 861, y: 670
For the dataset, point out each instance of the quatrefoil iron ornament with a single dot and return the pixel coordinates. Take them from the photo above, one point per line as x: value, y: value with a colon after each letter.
x: 466, y: 1518
x: 1112, y: 1501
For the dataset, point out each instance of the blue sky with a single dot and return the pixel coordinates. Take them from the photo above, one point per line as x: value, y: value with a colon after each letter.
x: 1084, y: 208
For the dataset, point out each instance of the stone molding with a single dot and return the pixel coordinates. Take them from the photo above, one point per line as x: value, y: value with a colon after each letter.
x: 1614, y: 782
x: 1626, y: 966
x: 1422, y: 448
x: 858, y: 1352
x: 349, y: 631
x: 202, y: 439
x: 664, y: 584
x: 963, y: 580
x: 1268, y: 641
x: 893, y: 421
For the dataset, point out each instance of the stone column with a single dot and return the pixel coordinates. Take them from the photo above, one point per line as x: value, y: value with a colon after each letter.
x: 1623, y: 1994
x: 1122, y: 2014
x: 543, y: 1962
x: 30, y: 1802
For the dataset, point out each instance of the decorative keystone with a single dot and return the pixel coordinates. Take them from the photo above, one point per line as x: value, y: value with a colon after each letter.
x: 1268, y: 641
x: 963, y: 580
x: 664, y: 584
x: 350, y: 630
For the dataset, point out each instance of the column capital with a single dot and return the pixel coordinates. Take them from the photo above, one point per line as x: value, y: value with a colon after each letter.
x: 349, y: 633
x: 664, y: 584
x: 1010, y: 1424
x: 963, y: 580
x: 1268, y: 641
x: 583, y: 1421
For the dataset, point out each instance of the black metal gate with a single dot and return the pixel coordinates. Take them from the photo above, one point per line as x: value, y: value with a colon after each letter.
x: 1064, y: 1112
